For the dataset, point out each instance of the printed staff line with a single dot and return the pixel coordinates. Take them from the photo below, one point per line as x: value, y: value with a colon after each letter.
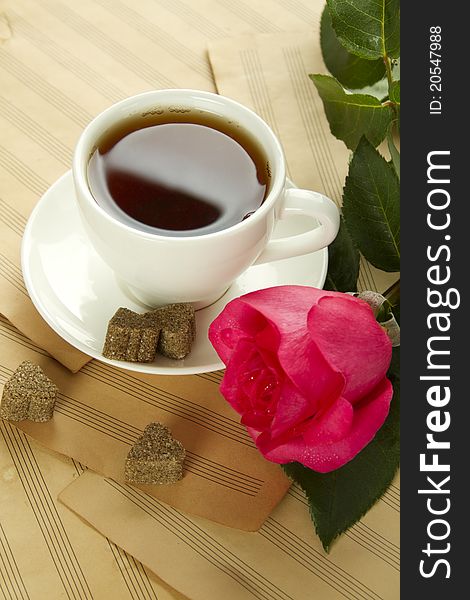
x: 40, y: 510
x: 60, y: 410
x: 390, y: 561
x: 14, y: 271
x: 390, y: 504
x: 308, y: 106
x: 313, y: 560
x: 110, y: 374
x: 235, y: 478
x: 53, y: 516
x: 275, y: 542
x: 192, y: 465
x: 22, y: 173
x: 47, y: 91
x: 130, y: 433
x: 309, y: 550
x: 194, y: 531
x: 157, y: 35
x: 191, y: 543
x: 133, y: 574
x: 214, y: 377
x: 67, y: 60
x: 312, y: 115
x: 36, y: 132
x: 25, y: 172
x: 383, y: 540
x: 180, y: 411
x: 381, y: 543
x: 79, y: 468
x: 123, y: 570
x: 194, y: 19
x: 259, y: 91
x: 14, y: 268
x: 7, y: 585
x: 10, y: 569
x: 127, y: 434
x: 246, y: 477
x: 251, y: 16
x: 297, y: 495
x: 98, y: 38
x: 9, y: 222
x: 195, y: 469
x: 168, y: 516
x: 306, y: 15
x: 393, y: 498
x: 7, y: 275
x: 11, y: 334
x: 393, y: 494
x: 16, y: 217
x: 162, y: 404
x: 375, y: 539
x: 311, y: 125
x: 167, y: 401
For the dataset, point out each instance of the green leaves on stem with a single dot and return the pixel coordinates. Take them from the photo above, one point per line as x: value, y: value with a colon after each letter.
x: 353, y: 72
x: 371, y: 207
x: 340, y: 498
x: 343, y: 258
x: 353, y: 115
x: 360, y: 40
x: 368, y: 28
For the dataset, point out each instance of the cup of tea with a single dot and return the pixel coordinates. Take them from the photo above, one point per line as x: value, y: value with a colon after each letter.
x: 180, y: 191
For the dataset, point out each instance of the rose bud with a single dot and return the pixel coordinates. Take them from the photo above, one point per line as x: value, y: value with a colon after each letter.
x: 306, y: 370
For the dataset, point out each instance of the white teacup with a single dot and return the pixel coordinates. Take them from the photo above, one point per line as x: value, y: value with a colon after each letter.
x: 160, y: 269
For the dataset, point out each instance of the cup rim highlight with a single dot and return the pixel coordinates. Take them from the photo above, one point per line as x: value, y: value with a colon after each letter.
x: 141, y: 102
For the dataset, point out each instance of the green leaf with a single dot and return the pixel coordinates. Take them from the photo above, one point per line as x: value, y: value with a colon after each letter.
x: 353, y: 72
x: 368, y: 28
x: 343, y: 263
x: 371, y: 207
x: 394, y: 95
x: 379, y: 90
x: 395, y: 155
x: 340, y: 498
x: 392, y: 303
x: 352, y: 115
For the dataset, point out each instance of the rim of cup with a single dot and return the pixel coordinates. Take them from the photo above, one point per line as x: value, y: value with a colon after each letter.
x: 145, y: 101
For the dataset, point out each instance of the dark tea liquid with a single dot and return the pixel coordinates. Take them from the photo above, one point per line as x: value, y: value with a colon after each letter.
x: 193, y: 176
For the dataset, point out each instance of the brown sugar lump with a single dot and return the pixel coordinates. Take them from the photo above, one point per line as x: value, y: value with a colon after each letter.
x: 131, y: 336
x: 178, y: 329
x: 28, y: 394
x: 155, y: 458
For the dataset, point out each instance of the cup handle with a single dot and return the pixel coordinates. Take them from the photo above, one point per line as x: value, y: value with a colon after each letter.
x: 312, y: 204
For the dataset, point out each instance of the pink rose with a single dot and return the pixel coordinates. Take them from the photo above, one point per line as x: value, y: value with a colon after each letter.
x: 306, y: 370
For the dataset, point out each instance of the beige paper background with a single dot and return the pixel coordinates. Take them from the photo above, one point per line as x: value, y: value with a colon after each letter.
x: 61, y: 62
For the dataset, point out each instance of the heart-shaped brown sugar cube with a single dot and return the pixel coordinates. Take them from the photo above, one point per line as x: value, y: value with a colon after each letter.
x: 28, y: 394
x: 156, y: 457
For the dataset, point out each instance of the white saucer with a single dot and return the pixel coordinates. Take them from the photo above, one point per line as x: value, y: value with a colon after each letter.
x: 77, y: 293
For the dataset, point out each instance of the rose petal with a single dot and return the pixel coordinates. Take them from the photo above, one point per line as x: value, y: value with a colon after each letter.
x: 286, y: 308
x: 293, y: 408
x: 369, y: 416
x: 346, y: 332
x: 244, y: 360
x: 331, y: 426
x: 238, y: 320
